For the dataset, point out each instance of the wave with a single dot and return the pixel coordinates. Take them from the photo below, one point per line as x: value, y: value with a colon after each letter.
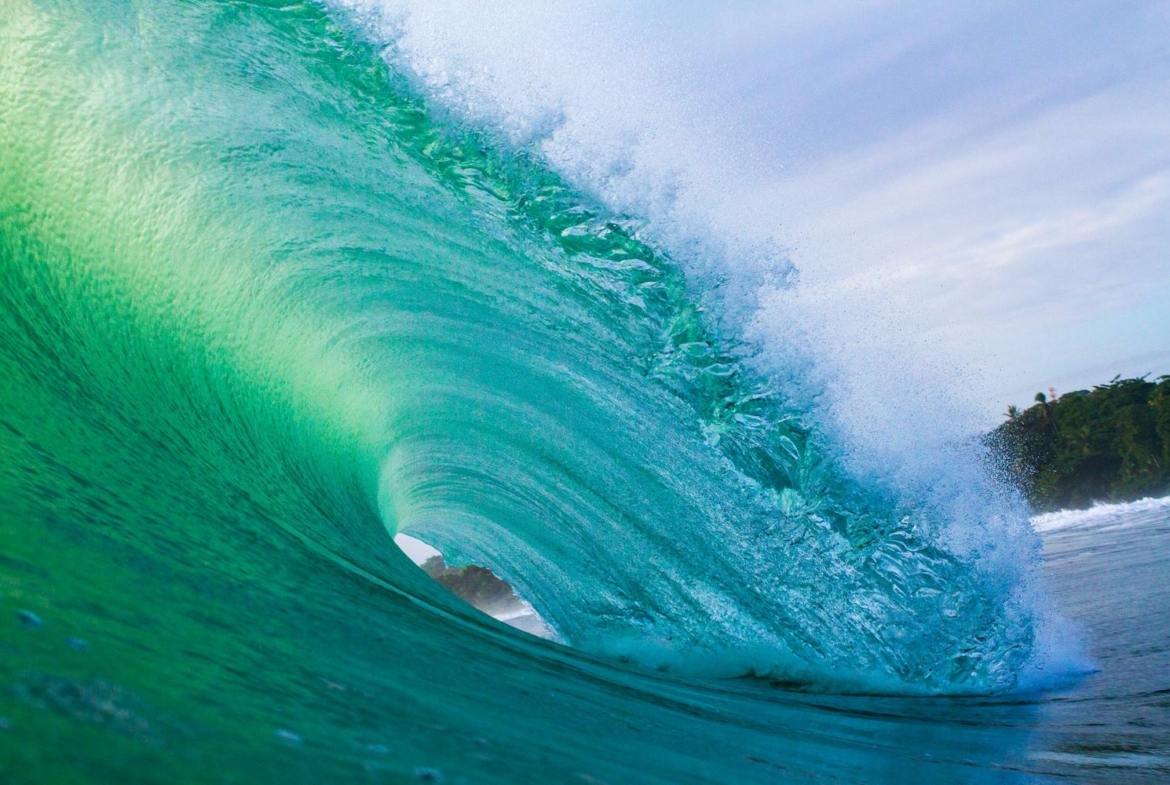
x: 265, y: 304
x: 555, y: 111
x: 1102, y: 515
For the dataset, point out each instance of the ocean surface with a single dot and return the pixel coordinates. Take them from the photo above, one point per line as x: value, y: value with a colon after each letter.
x: 269, y: 298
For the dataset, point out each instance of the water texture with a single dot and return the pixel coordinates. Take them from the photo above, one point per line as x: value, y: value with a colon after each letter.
x: 263, y: 306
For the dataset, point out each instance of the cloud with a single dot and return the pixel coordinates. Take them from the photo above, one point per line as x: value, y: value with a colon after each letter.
x: 966, y: 233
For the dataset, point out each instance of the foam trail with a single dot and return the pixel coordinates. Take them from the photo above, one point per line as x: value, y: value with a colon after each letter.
x: 1102, y: 515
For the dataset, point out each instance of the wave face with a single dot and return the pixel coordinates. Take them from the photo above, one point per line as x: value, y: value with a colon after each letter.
x: 260, y: 311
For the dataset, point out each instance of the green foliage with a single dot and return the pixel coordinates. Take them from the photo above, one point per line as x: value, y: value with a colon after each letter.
x: 1108, y: 444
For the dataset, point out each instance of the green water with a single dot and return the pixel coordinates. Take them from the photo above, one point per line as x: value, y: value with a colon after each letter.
x: 260, y: 310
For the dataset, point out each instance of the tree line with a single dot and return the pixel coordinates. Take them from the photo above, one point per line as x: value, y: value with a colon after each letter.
x: 1111, y: 443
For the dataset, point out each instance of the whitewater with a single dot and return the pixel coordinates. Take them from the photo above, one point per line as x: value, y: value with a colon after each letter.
x: 278, y: 284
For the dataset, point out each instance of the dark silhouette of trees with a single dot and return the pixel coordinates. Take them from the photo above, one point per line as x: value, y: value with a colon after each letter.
x: 477, y: 586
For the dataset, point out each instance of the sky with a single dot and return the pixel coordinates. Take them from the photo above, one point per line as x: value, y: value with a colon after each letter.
x: 999, y: 172
x: 975, y: 196
x: 417, y: 550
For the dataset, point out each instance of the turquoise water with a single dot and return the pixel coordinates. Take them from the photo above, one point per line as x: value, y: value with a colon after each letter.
x: 263, y: 307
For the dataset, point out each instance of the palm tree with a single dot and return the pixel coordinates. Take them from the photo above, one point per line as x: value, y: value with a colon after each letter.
x: 1013, y: 412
